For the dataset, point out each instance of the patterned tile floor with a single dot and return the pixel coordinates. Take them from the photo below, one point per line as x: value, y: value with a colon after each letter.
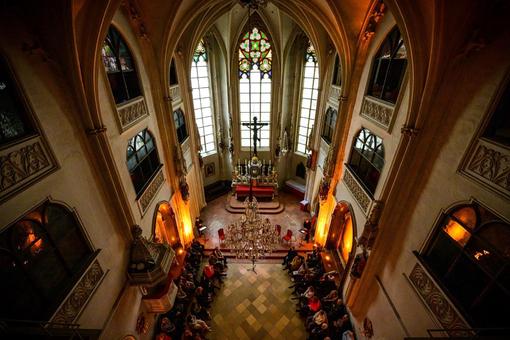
x: 215, y: 216
x: 255, y: 306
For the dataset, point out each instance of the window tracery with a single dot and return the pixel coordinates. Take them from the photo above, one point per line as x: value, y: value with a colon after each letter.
x: 142, y: 160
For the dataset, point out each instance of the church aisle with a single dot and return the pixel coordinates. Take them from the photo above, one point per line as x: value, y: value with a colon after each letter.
x: 255, y: 306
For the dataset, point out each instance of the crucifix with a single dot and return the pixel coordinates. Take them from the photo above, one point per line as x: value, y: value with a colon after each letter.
x: 255, y: 127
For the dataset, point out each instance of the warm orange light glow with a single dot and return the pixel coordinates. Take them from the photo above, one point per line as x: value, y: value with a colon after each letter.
x: 180, y: 251
x: 328, y: 258
x: 324, y: 218
x: 457, y: 232
x: 347, y: 239
x: 36, y: 247
x: 183, y: 217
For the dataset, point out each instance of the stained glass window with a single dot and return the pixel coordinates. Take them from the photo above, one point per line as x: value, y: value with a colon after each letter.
x: 308, y: 98
x: 120, y: 67
x: 255, y: 71
x: 201, y: 86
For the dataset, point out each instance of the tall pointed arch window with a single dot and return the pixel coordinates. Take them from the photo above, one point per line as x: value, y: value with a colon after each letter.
x: 120, y: 67
x: 309, y: 94
x: 201, y: 85
x: 388, y: 68
x: 255, y: 71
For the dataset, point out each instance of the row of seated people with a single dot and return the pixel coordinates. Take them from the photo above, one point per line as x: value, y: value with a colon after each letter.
x: 197, y: 286
x: 318, y: 298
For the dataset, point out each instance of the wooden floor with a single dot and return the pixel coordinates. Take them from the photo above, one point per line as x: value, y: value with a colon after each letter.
x: 215, y: 216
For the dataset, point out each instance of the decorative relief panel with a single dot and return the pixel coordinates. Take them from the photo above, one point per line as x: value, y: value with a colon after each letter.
x: 490, y: 165
x: 175, y: 93
x: 150, y: 191
x: 132, y: 112
x: 439, y: 305
x: 361, y: 196
x: 377, y: 111
x: 22, y: 164
x: 73, y: 305
x: 334, y: 93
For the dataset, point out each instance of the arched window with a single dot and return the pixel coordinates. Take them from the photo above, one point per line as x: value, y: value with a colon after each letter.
x: 255, y: 67
x: 200, y: 84
x: 498, y: 127
x: 328, y: 127
x: 120, y: 67
x: 42, y: 255
x: 367, y: 159
x: 15, y: 122
x: 308, y: 98
x: 388, y: 68
x: 469, y: 255
x: 180, y: 125
x: 142, y: 159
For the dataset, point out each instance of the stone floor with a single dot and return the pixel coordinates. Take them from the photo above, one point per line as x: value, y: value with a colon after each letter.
x: 255, y: 306
x: 215, y: 216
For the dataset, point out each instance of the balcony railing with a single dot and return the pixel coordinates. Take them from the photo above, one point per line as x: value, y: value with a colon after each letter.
x: 362, y: 197
x: 378, y: 112
x: 23, y: 164
x: 489, y: 165
x: 131, y: 112
x: 150, y: 191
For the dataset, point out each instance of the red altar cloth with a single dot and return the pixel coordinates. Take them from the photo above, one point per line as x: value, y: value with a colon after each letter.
x: 244, y: 190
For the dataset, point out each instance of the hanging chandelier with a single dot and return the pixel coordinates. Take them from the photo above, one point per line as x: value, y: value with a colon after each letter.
x: 251, y: 237
x: 253, y: 4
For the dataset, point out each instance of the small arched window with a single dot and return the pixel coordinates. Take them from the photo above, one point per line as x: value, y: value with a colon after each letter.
x: 469, y: 255
x: 15, y: 122
x: 120, y: 67
x: 367, y: 159
x: 388, y: 68
x: 42, y: 255
x: 180, y: 126
x: 142, y: 159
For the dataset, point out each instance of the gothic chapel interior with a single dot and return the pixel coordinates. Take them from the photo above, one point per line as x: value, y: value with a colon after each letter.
x: 136, y: 134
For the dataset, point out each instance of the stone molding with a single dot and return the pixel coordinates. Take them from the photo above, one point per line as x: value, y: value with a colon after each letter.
x: 24, y: 163
x: 150, y: 191
x: 362, y: 197
x: 132, y: 112
x: 175, y: 93
x: 439, y: 305
x: 489, y: 164
x: 77, y: 299
x: 378, y: 112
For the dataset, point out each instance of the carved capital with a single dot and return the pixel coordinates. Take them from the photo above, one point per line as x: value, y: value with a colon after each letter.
x: 96, y: 131
x: 409, y: 130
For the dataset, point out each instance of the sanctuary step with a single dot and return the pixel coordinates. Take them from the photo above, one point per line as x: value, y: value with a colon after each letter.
x: 237, y: 207
x: 295, y: 186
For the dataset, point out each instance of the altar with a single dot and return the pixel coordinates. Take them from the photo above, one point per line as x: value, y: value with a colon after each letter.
x: 263, y: 177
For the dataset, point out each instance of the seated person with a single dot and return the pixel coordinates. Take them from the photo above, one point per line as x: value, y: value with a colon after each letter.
x: 296, y: 262
x: 219, y: 256
x: 290, y: 255
x: 318, y: 320
x: 198, y: 325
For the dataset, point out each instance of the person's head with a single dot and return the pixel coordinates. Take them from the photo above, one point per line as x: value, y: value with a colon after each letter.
x: 199, y: 290
x: 339, y: 301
